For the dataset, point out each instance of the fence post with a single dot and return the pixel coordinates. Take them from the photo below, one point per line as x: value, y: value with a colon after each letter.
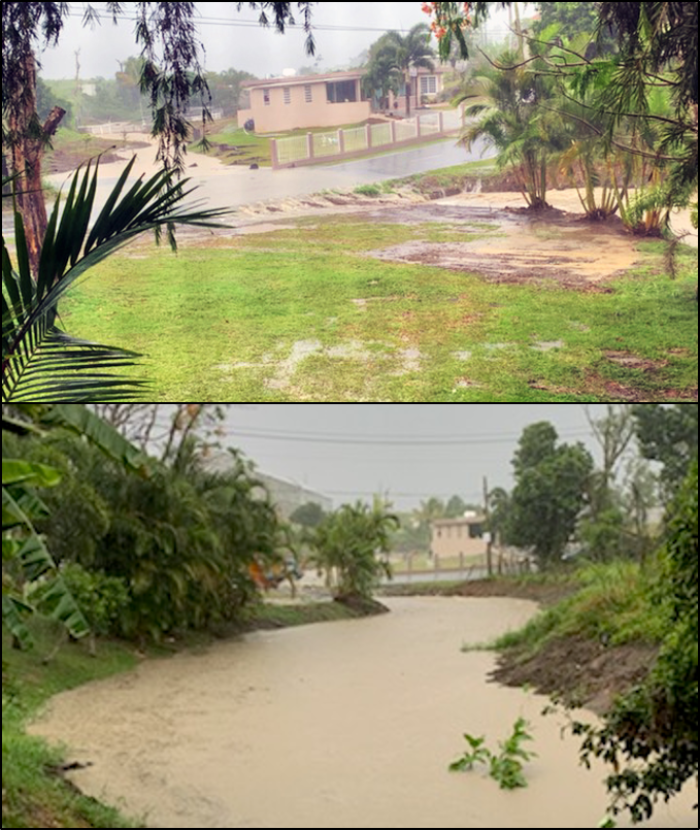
x: 441, y: 125
x: 368, y: 136
x: 309, y: 145
x: 393, y: 132
x: 341, y: 141
x: 273, y: 153
x: 418, y: 126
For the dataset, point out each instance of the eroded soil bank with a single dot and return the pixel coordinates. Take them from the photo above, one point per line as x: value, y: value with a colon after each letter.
x: 346, y: 724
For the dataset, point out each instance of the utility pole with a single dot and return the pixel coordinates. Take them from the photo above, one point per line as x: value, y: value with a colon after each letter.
x: 489, y: 544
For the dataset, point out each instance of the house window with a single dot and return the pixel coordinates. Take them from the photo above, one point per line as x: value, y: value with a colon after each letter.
x: 476, y: 531
x: 307, y: 94
x: 341, y: 92
x: 428, y: 85
x: 287, y: 95
x: 266, y: 97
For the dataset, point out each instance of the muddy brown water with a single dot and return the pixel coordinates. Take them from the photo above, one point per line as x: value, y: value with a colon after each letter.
x: 346, y: 724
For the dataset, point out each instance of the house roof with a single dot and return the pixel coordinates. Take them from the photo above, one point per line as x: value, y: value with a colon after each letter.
x: 350, y: 75
x: 295, y: 80
x: 461, y: 522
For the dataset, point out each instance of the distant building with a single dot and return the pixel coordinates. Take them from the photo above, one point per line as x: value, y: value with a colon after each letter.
x: 285, y: 494
x: 456, y: 537
x: 328, y: 100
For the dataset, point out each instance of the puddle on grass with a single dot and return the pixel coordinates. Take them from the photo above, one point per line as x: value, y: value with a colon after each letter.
x: 547, y: 345
x: 550, y: 246
x: 408, y: 359
x: 631, y: 361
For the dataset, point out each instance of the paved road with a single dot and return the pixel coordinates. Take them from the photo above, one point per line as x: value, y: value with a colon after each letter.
x: 231, y: 187
x: 234, y: 186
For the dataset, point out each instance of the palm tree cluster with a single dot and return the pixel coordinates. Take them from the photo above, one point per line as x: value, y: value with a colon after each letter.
x: 348, y: 546
x: 391, y: 60
x: 557, y: 113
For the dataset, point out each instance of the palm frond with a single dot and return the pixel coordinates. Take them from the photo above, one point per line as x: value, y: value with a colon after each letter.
x: 39, y: 360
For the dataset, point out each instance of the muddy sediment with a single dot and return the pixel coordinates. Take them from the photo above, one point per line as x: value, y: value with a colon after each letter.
x: 346, y: 724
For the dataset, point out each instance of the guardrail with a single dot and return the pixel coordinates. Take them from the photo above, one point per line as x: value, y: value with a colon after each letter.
x: 312, y: 148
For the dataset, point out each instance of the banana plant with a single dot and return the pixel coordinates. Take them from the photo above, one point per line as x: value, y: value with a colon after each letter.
x: 42, y: 362
x: 22, y: 546
x: 26, y: 560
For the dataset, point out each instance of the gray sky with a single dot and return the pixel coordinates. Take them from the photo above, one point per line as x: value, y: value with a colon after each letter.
x: 485, y: 437
x: 235, y: 40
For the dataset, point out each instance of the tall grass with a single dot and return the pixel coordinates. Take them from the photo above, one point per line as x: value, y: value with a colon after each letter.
x: 616, y: 603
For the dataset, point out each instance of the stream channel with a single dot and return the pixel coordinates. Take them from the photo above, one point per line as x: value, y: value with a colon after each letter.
x: 343, y: 724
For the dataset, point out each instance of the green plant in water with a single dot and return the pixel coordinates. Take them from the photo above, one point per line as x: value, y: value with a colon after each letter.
x: 507, y: 766
x: 477, y: 754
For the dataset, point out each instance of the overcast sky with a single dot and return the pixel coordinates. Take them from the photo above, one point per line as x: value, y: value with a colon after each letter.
x: 234, y: 40
x: 469, y: 441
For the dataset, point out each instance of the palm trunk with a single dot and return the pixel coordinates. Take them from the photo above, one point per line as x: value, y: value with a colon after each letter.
x: 26, y: 160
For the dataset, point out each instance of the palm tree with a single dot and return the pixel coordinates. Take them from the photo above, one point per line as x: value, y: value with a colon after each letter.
x: 39, y: 360
x: 347, y: 545
x: 508, y: 106
x: 397, y: 54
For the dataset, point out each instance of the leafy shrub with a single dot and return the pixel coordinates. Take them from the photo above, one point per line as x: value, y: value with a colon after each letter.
x: 655, y: 726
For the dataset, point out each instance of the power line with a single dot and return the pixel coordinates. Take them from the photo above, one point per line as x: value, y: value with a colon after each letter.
x: 253, y: 24
x: 247, y: 24
x: 316, y: 438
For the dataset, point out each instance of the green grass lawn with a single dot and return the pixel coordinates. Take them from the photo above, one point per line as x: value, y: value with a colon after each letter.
x: 304, y: 314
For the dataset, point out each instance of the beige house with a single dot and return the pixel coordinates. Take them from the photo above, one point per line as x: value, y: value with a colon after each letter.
x: 330, y: 100
x: 458, y: 537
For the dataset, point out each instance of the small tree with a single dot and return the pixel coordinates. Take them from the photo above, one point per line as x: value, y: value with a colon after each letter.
x: 507, y: 104
x: 308, y: 515
x: 346, y: 546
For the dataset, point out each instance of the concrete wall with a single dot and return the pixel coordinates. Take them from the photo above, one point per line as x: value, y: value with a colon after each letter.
x: 455, y: 536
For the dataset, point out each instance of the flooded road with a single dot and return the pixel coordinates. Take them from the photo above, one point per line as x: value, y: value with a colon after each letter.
x: 346, y: 724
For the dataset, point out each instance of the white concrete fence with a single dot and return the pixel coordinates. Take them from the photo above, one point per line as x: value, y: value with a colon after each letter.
x: 115, y: 128
x: 313, y: 147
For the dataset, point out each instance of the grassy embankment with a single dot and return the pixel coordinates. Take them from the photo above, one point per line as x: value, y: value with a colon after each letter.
x: 303, y: 313
x: 34, y: 793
